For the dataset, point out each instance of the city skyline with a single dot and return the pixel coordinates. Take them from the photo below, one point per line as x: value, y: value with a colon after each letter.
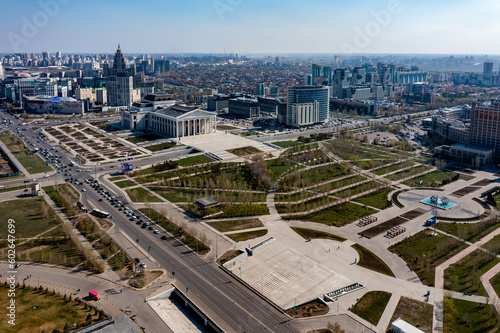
x: 257, y: 27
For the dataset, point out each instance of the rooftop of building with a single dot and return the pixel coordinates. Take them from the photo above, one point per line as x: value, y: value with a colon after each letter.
x: 158, y: 97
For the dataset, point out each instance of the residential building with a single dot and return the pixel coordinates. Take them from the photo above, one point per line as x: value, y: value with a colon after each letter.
x: 485, y: 125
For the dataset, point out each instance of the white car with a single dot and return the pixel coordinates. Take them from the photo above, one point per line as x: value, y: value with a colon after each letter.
x: 46, y: 176
x: 2, y: 186
x: 35, y: 180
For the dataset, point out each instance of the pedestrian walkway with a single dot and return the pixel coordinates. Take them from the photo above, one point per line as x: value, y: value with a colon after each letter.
x: 385, y: 320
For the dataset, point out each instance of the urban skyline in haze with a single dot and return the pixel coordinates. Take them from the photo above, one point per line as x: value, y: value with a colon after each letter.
x: 252, y: 27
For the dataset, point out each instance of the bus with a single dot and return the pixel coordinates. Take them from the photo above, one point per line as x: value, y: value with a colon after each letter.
x: 99, y: 213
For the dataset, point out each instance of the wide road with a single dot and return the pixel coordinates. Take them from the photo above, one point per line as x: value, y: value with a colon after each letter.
x: 224, y: 299
x: 230, y: 304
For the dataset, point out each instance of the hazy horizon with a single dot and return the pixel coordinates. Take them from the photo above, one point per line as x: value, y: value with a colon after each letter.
x: 251, y: 27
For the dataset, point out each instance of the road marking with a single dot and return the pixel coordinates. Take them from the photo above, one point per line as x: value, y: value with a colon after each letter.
x: 202, y: 278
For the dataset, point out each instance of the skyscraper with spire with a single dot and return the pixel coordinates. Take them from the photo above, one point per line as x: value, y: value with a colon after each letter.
x: 119, y: 64
x: 120, y: 85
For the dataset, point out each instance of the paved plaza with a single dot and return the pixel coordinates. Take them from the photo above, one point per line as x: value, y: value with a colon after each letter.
x: 218, y: 143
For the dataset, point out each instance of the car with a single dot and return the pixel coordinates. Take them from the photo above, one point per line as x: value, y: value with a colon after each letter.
x: 133, y: 218
x: 2, y: 186
x: 78, y: 170
x: 156, y: 231
x: 46, y: 176
x: 143, y: 226
x: 163, y: 237
x: 143, y: 265
x: 100, y: 199
x: 26, y: 190
x: 141, y: 220
x: 35, y: 180
x: 137, y: 222
x: 121, y: 208
x: 112, y: 166
x: 84, y: 190
x: 137, y: 260
x: 150, y: 228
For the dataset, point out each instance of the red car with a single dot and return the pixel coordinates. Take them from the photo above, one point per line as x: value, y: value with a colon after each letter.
x: 100, y: 199
x: 26, y: 190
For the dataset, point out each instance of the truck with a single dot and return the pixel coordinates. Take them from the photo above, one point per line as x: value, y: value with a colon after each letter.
x: 94, y: 295
x: 430, y: 222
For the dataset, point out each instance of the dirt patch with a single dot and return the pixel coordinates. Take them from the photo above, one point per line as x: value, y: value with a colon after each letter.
x: 311, y: 309
x: 378, y: 229
x: 413, y: 214
x: 231, y: 254
x: 417, y: 313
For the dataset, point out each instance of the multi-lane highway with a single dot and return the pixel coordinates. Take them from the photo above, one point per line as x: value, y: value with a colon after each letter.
x: 230, y: 304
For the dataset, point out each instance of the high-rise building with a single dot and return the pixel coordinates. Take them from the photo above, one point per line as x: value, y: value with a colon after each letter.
x: 485, y: 125
x: 119, y: 61
x: 1, y: 72
x: 45, y: 55
x: 307, y: 105
x: 488, y: 68
x: 120, y: 89
x: 316, y: 71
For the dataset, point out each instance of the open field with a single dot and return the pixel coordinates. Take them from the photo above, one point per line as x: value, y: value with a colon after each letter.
x: 32, y: 215
x: 125, y: 183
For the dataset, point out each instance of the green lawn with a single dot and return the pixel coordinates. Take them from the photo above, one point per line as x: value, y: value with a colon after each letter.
x: 225, y: 226
x: 377, y: 199
x: 184, y: 195
x: 316, y: 234
x: 471, y: 232
x: 425, y: 251
x: 125, y: 183
x: 32, y: 163
x: 339, y: 215
x: 243, y: 210
x: 113, y: 179
x: 161, y: 146
x: 371, y: 306
x: 139, y: 194
x: 392, y: 168
x: 287, y: 144
x: 143, y: 138
x: 44, y: 311
x: 370, y: 260
x: 408, y: 173
x: 436, y: 178
x: 33, y: 216
x: 244, y: 236
x: 463, y: 276
x: 8, y: 189
x: 194, y: 160
x: 468, y: 317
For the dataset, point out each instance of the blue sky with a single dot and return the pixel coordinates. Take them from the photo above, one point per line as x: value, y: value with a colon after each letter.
x: 251, y: 26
